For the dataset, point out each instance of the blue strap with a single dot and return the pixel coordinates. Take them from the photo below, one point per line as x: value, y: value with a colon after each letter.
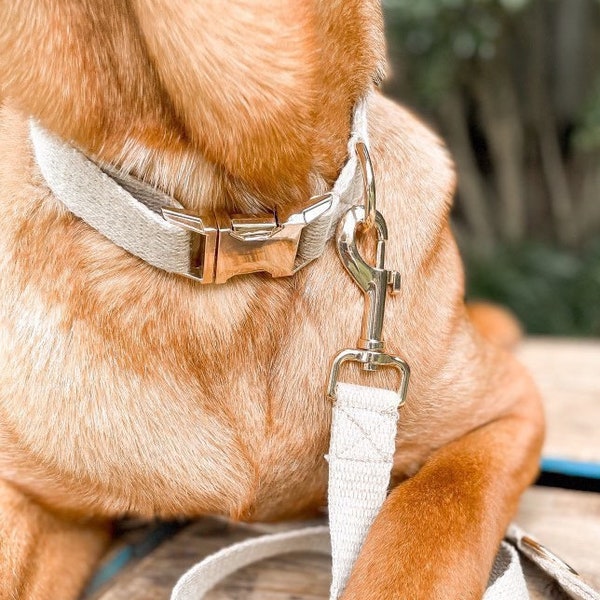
x: 573, y: 468
x: 131, y: 553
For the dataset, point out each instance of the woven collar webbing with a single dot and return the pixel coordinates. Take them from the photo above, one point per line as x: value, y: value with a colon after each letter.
x: 128, y: 211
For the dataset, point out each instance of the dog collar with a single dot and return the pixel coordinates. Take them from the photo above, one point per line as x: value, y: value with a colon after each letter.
x: 207, y: 248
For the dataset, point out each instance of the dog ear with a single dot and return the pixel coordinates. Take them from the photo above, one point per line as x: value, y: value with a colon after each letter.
x: 261, y: 89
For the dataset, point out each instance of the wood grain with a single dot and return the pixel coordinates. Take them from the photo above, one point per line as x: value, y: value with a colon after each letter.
x: 295, y: 577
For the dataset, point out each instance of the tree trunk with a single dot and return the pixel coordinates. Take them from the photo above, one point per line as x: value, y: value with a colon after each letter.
x: 500, y: 120
x: 544, y: 122
x: 471, y: 186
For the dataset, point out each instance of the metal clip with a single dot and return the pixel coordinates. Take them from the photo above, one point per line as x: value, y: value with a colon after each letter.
x: 374, y: 282
x: 538, y: 552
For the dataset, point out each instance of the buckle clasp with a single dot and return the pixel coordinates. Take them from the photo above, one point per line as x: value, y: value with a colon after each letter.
x: 225, y: 245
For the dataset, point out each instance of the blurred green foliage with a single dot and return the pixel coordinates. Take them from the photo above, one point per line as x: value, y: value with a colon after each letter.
x: 514, y: 88
x: 551, y: 291
x: 587, y: 132
x: 439, y: 35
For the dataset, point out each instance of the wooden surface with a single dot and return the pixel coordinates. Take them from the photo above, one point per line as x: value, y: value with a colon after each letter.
x: 568, y: 522
x: 568, y: 373
x: 295, y: 577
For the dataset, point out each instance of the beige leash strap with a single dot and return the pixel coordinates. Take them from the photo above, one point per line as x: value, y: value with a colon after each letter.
x: 205, y: 575
x: 360, y: 458
x: 361, y: 453
x: 361, y: 449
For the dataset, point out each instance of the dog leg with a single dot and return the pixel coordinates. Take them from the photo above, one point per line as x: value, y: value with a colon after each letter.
x: 438, y: 532
x: 495, y: 323
x: 44, y: 556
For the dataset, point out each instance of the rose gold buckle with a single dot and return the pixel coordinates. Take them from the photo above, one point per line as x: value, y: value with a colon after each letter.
x: 223, y: 245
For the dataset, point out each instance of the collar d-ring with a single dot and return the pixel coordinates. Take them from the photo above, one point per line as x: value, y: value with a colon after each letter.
x: 368, y: 179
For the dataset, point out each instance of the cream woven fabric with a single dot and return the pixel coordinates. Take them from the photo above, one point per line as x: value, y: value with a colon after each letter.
x: 362, y: 438
x: 361, y: 451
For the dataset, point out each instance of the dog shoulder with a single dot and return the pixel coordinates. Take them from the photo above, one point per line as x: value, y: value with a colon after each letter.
x: 416, y: 179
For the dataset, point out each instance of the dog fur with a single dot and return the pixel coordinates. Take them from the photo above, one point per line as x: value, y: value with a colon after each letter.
x: 128, y: 391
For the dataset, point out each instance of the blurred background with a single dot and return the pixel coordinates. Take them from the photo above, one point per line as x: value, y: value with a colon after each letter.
x: 513, y: 86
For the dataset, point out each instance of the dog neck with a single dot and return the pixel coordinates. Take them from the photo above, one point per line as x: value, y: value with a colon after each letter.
x: 219, y: 106
x: 209, y: 248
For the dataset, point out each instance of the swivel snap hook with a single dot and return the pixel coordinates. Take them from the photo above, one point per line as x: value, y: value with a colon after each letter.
x: 374, y: 281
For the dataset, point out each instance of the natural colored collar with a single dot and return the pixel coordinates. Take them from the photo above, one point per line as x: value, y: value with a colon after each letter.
x: 207, y: 248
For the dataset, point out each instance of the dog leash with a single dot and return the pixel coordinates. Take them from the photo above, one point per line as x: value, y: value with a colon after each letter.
x: 360, y: 461
x: 154, y: 227
x: 361, y: 451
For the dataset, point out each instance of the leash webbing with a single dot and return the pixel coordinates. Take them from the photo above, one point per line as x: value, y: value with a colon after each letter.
x: 361, y: 452
x: 201, y: 578
x: 363, y: 430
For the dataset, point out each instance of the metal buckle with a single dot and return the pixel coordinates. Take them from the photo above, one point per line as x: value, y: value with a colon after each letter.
x: 533, y: 547
x: 372, y: 280
x: 226, y: 245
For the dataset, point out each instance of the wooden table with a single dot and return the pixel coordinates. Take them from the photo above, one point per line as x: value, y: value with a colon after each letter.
x: 568, y: 373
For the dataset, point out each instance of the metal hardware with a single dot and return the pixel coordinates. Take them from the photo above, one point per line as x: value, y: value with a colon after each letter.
x: 254, y: 228
x: 374, y: 282
x: 368, y: 178
x: 532, y: 546
x: 226, y: 245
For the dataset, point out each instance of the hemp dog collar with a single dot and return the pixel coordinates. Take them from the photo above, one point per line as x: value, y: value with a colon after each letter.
x: 207, y: 248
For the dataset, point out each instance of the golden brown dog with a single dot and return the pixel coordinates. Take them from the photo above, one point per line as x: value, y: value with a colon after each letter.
x: 128, y: 391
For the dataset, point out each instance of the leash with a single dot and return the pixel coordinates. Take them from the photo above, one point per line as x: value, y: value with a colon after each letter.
x: 361, y: 451
x: 157, y: 229
x: 506, y: 583
x: 360, y: 460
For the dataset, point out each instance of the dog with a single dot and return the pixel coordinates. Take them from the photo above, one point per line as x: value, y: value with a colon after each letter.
x: 126, y: 390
